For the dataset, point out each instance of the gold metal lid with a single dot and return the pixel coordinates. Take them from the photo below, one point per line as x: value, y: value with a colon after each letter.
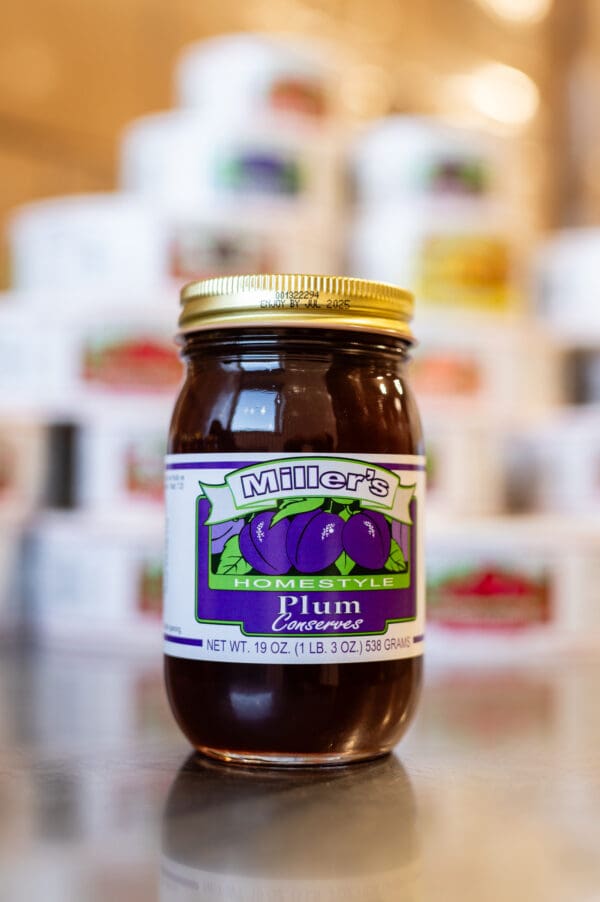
x: 322, y: 302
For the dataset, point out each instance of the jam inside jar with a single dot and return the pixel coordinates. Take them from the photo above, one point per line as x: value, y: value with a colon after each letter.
x: 322, y: 683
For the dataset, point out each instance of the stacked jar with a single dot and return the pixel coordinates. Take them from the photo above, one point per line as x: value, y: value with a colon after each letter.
x: 433, y: 212
x: 243, y: 177
x: 248, y: 174
x: 429, y: 214
x: 558, y: 459
x: 95, y: 384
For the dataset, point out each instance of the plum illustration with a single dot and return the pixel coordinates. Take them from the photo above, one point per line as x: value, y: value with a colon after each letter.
x: 314, y: 541
x: 263, y: 545
x: 222, y: 532
x: 367, y: 539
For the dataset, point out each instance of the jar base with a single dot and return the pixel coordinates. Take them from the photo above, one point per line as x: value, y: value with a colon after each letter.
x: 282, y: 759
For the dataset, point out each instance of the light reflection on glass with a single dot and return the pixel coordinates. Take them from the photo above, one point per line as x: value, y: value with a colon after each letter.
x: 251, y: 705
x: 255, y: 411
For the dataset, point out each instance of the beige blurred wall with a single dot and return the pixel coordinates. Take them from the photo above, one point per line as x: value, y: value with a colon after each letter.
x: 73, y: 72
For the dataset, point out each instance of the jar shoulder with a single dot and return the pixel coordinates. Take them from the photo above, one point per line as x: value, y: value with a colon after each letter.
x: 300, y: 403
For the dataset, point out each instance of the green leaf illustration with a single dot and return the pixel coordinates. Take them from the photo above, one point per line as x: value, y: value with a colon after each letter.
x: 231, y: 558
x: 396, y: 562
x: 296, y: 506
x: 345, y: 514
x: 344, y: 563
x: 345, y: 501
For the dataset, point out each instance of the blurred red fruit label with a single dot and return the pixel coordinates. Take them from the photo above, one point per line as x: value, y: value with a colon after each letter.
x: 446, y: 374
x: 294, y: 559
x: 492, y: 598
x: 294, y: 95
x: 126, y: 363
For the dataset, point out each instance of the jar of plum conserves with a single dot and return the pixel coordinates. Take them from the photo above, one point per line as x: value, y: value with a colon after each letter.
x: 294, y: 598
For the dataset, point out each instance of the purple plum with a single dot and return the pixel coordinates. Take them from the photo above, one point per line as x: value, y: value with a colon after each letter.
x: 367, y: 539
x: 263, y: 545
x: 314, y: 541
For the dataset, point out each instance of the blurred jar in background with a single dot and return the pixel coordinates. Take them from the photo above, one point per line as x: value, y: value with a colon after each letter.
x: 256, y: 75
x: 430, y: 213
x: 85, y: 246
x: 257, y: 192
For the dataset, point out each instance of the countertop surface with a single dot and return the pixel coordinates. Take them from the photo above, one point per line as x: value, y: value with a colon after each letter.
x: 493, y: 795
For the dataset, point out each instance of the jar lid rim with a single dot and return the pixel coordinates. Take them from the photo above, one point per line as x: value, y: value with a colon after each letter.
x: 296, y: 299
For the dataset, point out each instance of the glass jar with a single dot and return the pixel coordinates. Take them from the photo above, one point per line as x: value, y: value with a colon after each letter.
x: 294, y: 598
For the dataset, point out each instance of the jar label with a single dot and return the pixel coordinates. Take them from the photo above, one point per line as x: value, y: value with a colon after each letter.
x: 294, y: 559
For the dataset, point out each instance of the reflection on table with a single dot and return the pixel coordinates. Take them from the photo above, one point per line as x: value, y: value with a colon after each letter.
x: 496, y: 788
